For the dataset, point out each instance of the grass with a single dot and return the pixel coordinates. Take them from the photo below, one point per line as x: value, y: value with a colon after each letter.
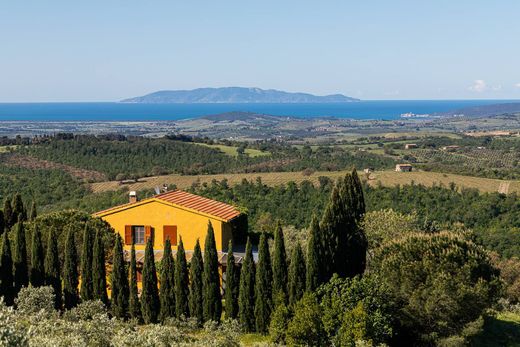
x: 4, y: 149
x: 232, y: 151
x: 253, y: 339
x: 500, y: 330
x: 387, y: 178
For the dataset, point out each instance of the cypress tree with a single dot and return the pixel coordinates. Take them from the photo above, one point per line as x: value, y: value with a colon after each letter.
x: 246, y: 295
x: 37, y: 275
x: 119, y: 280
x: 52, y: 269
x: 150, y: 304
x: 279, y: 266
x: 296, y: 275
x: 263, y: 289
x: 211, y: 279
x: 8, y: 215
x: 313, y: 273
x: 167, y: 290
x: 99, y: 278
x: 196, y: 296
x: 18, y: 208
x: 70, y: 272
x: 87, y: 286
x: 330, y: 229
x: 6, y: 271
x: 34, y: 213
x: 134, y: 304
x: 2, y: 222
x: 231, y: 293
x: 21, y: 272
x: 182, y: 290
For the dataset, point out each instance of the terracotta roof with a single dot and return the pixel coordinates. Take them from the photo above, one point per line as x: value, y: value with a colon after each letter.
x: 190, y: 201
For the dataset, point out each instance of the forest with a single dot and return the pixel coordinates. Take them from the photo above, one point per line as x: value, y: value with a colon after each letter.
x: 359, y: 274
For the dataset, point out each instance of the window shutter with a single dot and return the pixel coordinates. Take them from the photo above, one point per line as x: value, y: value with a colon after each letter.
x: 128, y: 234
x: 148, y: 233
x: 170, y: 233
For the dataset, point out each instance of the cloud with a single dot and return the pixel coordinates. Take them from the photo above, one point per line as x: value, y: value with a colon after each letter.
x: 497, y: 88
x: 517, y: 85
x: 478, y: 86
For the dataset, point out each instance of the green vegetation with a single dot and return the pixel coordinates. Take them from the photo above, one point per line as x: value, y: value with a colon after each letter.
x: 167, y: 292
x: 236, y: 151
x: 212, y: 307
x: 196, y: 291
x: 231, y: 285
x: 181, y: 283
x: 119, y: 281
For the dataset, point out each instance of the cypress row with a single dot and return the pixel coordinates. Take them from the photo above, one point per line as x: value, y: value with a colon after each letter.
x: 37, y: 275
x: 34, y: 213
x: 87, y: 287
x: 99, y: 277
x: 52, y: 269
x: 6, y: 271
x: 313, y: 276
x: 279, y: 266
x: 296, y: 275
x: 2, y: 222
x: 246, y: 296
x: 167, y: 290
x: 196, y: 298
x: 21, y: 273
x: 231, y: 293
x: 211, y: 279
x: 182, y: 290
x: 119, y: 279
x: 263, y: 289
x: 8, y: 215
x: 150, y: 304
x: 70, y: 273
x: 134, y: 304
x: 18, y: 208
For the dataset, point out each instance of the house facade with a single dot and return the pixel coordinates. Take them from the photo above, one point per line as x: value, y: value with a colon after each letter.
x: 171, y: 215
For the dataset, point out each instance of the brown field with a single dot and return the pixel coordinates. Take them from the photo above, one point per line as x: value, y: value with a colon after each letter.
x: 387, y: 178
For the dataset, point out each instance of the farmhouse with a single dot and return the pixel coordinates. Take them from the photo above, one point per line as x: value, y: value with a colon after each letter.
x: 403, y: 168
x: 172, y: 215
x: 410, y: 146
x: 450, y: 148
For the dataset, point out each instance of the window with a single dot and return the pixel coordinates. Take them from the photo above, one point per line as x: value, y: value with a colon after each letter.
x: 170, y: 233
x: 138, y: 234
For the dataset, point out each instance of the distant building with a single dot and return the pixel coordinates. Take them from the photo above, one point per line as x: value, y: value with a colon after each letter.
x: 410, y: 146
x: 450, y: 148
x: 403, y: 167
x: 368, y: 170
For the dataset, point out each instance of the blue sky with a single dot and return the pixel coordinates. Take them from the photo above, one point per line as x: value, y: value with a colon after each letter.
x: 107, y: 50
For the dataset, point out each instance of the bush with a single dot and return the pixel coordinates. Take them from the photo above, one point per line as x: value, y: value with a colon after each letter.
x: 87, y: 310
x: 279, y: 323
x: 11, y: 333
x: 306, y: 327
x: 33, y: 300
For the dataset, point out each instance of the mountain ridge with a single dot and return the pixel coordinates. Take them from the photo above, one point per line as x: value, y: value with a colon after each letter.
x: 235, y: 95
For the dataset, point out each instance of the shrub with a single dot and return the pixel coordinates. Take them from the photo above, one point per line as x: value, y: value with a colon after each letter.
x: 11, y: 333
x: 87, y: 310
x: 32, y: 300
x: 279, y: 322
x: 306, y: 327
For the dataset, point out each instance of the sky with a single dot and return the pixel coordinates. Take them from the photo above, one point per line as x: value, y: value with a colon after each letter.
x: 95, y: 50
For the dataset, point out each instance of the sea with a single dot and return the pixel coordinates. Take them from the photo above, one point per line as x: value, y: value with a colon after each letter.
x: 127, y: 112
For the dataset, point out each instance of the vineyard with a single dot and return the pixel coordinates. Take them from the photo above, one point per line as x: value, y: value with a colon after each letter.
x: 471, y: 157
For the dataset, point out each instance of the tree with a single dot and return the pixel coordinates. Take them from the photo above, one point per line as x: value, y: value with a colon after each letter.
x: 231, y: 293
x: 314, y: 256
x: 306, y: 327
x: 167, y: 290
x: 18, y: 208
x: 21, y: 271
x: 211, y: 279
x: 37, y: 275
x: 9, y: 217
x: 70, y: 272
x: 87, y: 286
x: 246, y: 295
x: 134, y: 304
x: 279, y: 322
x: 182, y: 290
x: 52, y: 269
x: 34, y: 213
x: 296, y: 275
x: 279, y: 265
x: 150, y: 304
x: 6, y: 271
x: 441, y: 282
x: 2, y: 222
x: 196, y: 289
x: 119, y: 280
x: 99, y: 277
x: 263, y: 289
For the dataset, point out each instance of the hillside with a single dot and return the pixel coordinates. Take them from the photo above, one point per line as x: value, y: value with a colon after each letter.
x: 235, y: 95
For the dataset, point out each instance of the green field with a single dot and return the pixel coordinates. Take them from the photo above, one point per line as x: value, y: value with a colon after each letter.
x: 232, y: 151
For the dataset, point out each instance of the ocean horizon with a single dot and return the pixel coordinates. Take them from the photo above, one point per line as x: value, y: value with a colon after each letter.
x: 116, y: 111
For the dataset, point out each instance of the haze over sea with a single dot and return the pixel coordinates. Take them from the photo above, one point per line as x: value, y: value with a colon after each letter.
x: 107, y: 111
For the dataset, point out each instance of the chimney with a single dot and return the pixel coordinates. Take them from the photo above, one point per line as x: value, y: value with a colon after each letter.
x: 132, y: 197
x: 164, y: 188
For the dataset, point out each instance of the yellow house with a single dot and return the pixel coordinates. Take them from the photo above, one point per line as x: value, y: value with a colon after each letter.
x: 171, y: 215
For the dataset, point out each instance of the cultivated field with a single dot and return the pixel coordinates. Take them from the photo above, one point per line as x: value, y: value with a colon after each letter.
x: 387, y: 178
x: 232, y: 151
